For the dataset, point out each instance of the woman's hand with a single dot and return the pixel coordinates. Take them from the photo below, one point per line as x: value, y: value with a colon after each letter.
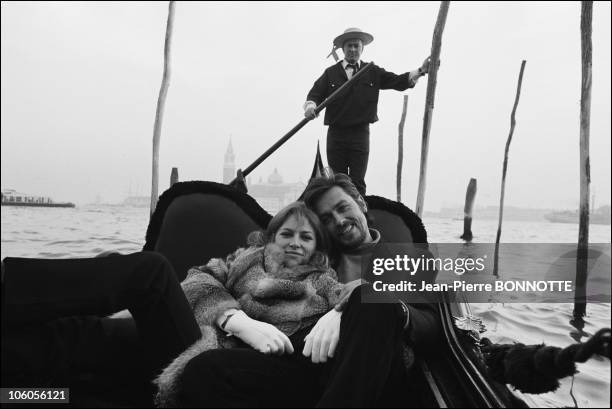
x: 322, y: 340
x: 264, y: 337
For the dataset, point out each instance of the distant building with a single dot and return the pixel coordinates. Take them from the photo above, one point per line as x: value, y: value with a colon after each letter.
x: 275, y: 194
x: 229, y: 164
x: 137, y: 201
x: 272, y: 195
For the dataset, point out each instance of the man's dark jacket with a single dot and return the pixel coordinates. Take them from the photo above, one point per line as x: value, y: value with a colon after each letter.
x: 359, y: 104
x: 423, y: 316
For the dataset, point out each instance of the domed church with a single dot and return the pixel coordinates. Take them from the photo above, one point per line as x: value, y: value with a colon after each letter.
x: 272, y: 195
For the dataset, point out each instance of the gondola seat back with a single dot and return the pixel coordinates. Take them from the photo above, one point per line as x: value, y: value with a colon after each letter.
x: 196, y: 221
x: 396, y: 222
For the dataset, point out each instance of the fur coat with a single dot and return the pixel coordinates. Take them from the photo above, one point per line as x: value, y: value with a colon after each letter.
x: 288, y: 298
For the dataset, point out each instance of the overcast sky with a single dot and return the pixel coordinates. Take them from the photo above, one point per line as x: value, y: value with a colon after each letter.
x: 80, y: 83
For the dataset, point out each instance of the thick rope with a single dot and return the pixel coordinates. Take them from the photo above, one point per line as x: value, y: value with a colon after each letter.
x: 538, y: 368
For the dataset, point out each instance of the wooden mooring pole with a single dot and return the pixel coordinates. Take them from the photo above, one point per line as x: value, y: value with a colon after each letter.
x: 504, y: 171
x: 400, y: 149
x: 470, y: 195
x: 432, y: 77
x: 582, y: 254
x: 173, y: 176
x: 159, y: 113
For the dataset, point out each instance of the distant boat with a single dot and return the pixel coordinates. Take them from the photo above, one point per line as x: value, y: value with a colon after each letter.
x: 11, y: 197
x: 599, y: 216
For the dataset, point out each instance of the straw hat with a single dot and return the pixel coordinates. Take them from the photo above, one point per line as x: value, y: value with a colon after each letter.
x: 351, y: 33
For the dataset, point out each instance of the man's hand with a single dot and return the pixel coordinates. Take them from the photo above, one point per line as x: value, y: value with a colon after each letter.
x: 322, y: 340
x: 310, y: 112
x: 425, y: 66
x: 260, y: 335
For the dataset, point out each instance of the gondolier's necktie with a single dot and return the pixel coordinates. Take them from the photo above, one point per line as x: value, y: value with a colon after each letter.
x: 351, y: 70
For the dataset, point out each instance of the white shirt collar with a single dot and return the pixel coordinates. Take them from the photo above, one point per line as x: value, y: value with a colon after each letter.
x: 345, y: 63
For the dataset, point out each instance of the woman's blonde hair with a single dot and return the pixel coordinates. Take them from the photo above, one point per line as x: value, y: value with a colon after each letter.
x: 300, y: 211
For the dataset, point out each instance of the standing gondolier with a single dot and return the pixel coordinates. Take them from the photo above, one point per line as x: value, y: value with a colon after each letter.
x: 349, y: 117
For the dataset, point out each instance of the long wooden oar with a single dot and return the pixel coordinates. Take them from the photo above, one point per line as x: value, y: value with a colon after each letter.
x: 303, y: 122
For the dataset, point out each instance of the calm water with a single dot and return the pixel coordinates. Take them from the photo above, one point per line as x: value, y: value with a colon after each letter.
x: 88, y: 230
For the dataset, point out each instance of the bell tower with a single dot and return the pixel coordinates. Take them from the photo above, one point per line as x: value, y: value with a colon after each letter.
x: 229, y: 165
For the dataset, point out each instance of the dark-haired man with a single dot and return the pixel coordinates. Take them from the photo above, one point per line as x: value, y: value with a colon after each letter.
x: 343, y: 210
x: 349, y: 117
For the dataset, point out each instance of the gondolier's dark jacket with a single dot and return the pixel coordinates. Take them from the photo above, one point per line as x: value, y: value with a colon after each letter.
x: 359, y: 104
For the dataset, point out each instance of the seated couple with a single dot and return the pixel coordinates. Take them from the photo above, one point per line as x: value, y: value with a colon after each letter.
x: 277, y: 326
